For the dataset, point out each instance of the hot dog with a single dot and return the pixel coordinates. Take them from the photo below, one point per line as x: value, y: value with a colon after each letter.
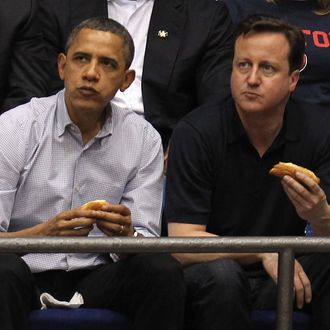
x: 282, y: 169
x: 94, y: 205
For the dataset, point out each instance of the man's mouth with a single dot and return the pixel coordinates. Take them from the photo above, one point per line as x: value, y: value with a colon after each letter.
x: 251, y: 95
x: 87, y: 91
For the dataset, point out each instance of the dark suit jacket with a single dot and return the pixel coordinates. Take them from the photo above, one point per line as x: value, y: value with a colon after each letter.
x: 22, y: 67
x: 181, y: 71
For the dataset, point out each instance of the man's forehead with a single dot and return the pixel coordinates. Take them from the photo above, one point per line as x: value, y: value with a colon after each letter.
x: 91, y: 33
x: 89, y: 39
x: 92, y: 36
x: 265, y: 36
x: 274, y: 43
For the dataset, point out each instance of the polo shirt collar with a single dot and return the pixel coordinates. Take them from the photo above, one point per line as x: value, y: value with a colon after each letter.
x: 292, y: 123
x: 234, y: 125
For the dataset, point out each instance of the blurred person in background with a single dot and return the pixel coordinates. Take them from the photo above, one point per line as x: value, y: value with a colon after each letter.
x: 22, y: 65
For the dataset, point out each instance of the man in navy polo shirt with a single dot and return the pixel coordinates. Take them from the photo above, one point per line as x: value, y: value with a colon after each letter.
x: 219, y: 184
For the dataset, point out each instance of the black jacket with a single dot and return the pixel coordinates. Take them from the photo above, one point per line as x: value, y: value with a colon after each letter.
x: 22, y: 66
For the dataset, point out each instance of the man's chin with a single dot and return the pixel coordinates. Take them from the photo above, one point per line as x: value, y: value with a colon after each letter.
x: 250, y: 107
x: 89, y: 106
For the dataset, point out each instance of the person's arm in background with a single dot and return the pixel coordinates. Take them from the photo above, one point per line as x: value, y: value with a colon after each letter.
x: 27, y: 72
x: 214, y: 68
x: 57, y: 19
x: 53, y: 39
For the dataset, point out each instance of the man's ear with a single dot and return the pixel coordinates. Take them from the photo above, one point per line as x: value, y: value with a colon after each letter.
x: 61, y: 61
x: 129, y: 78
x: 294, y: 80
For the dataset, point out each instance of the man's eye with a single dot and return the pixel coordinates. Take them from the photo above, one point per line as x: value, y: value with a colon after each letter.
x: 244, y: 66
x: 109, y: 63
x: 268, y: 68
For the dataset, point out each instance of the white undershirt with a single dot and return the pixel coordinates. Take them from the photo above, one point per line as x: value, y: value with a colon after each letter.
x: 135, y: 16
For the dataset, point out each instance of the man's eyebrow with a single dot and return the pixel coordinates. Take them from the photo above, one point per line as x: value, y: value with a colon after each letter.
x: 80, y: 53
x: 269, y: 62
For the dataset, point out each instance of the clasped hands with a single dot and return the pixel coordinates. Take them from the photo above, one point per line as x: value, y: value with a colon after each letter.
x: 112, y: 220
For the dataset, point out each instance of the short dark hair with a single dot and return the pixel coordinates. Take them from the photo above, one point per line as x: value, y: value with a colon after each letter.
x: 267, y: 23
x: 106, y: 25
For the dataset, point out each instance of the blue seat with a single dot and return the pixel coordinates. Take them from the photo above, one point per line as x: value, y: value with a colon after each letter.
x: 267, y: 320
x: 77, y: 319
x: 104, y: 319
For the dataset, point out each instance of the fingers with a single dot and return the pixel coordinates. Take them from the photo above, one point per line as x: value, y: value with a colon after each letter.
x: 110, y: 229
x: 115, y: 229
x: 113, y: 217
x: 77, y: 231
x: 302, y: 286
x: 307, y: 285
x: 116, y: 215
x: 299, y: 196
x: 307, y: 182
x: 307, y: 197
x: 117, y: 209
x: 112, y: 220
x: 64, y: 225
x: 301, y: 190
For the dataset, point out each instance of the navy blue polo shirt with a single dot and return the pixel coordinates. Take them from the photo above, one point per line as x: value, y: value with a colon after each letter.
x: 217, y: 178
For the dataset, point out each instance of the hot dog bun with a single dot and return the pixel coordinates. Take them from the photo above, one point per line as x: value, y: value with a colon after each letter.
x: 282, y: 169
x: 94, y: 205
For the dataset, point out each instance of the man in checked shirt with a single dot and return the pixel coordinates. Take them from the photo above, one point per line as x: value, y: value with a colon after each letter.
x: 71, y: 148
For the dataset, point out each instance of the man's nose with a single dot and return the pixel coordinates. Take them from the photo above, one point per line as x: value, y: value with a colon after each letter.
x: 91, y: 71
x: 254, y: 76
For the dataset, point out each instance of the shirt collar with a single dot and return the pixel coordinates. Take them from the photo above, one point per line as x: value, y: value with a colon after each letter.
x: 290, y: 131
x: 234, y: 124
x: 63, y: 119
x: 293, y: 121
x: 107, y: 127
